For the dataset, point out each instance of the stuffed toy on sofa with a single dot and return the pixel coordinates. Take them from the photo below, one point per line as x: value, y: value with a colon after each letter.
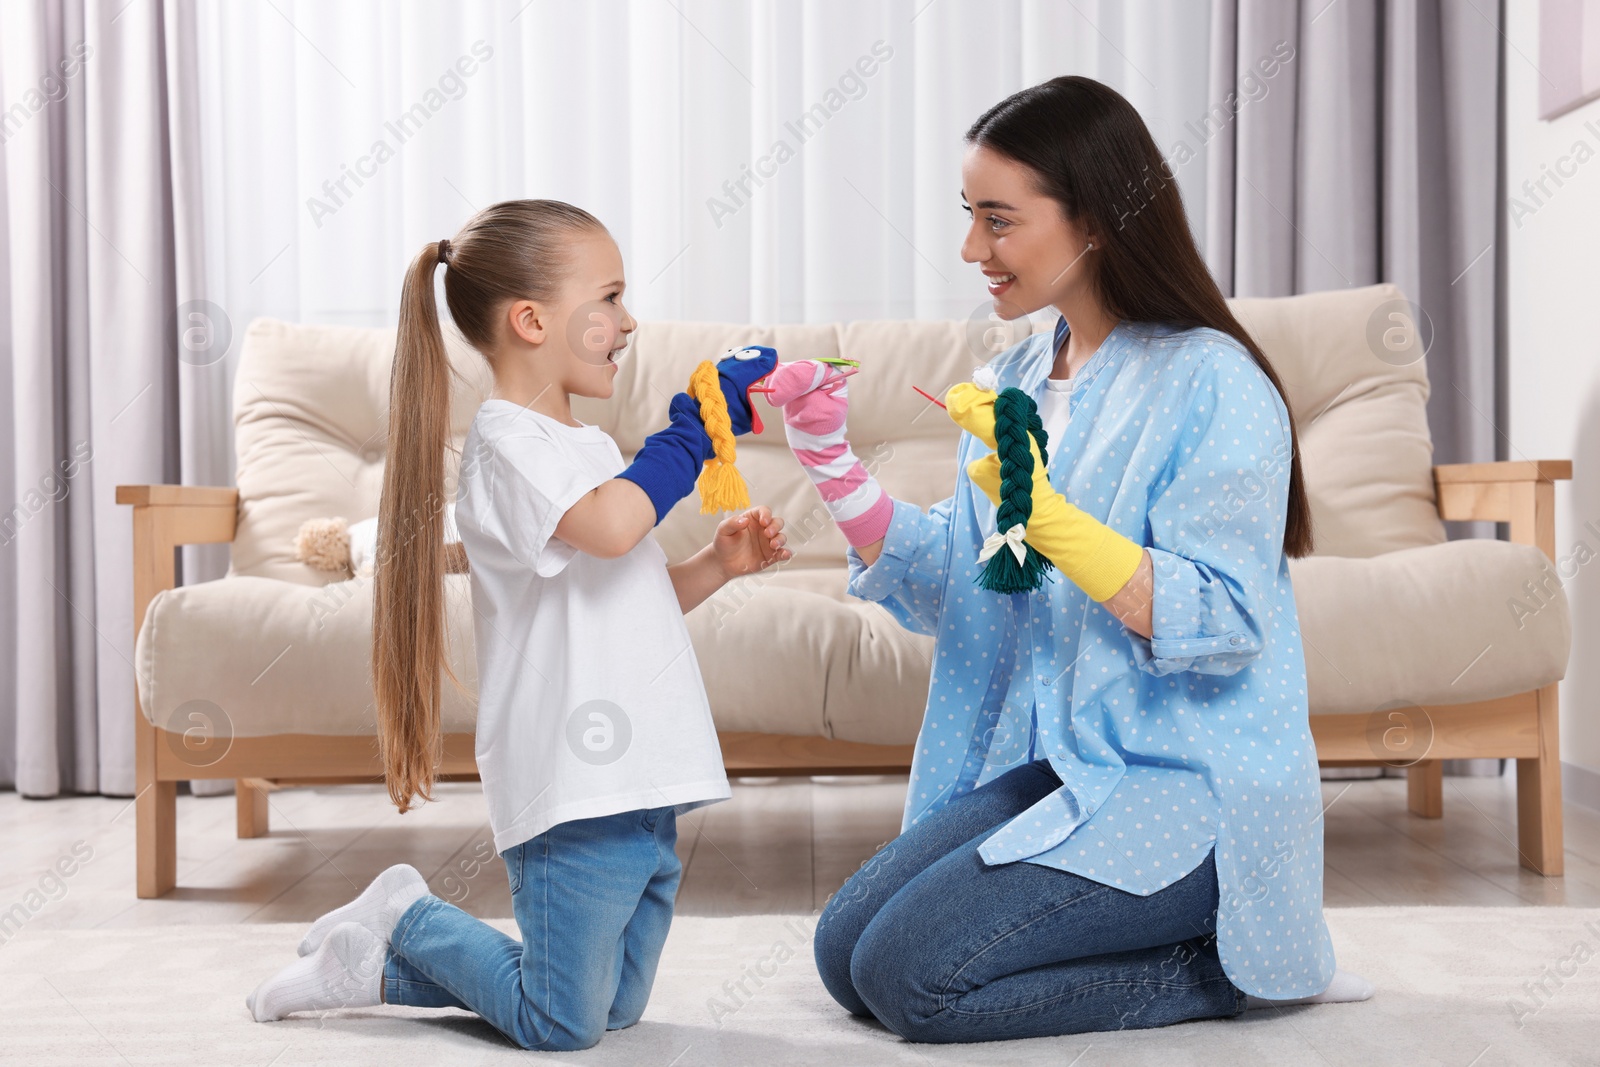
x: 336, y: 545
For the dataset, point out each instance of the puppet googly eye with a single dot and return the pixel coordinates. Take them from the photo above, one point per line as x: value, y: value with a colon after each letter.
x: 747, y: 353
x: 986, y: 379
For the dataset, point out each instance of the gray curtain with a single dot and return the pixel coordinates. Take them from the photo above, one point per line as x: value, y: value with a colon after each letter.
x: 1372, y: 154
x: 99, y: 264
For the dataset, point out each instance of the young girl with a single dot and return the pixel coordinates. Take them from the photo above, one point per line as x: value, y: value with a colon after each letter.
x: 593, y: 731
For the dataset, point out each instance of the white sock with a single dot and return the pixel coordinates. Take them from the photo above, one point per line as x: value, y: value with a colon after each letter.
x: 378, y: 908
x: 346, y: 971
x: 1345, y: 987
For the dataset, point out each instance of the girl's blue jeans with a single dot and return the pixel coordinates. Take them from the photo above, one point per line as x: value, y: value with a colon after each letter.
x: 940, y: 946
x: 592, y: 898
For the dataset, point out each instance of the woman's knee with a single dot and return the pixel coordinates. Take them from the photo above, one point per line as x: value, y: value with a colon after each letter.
x: 833, y: 941
x: 898, y: 998
x: 888, y: 977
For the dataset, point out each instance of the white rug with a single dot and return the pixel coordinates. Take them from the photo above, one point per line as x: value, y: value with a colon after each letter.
x: 1467, y: 987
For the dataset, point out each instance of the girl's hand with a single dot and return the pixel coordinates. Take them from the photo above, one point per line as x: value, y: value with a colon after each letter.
x: 737, y: 370
x: 749, y: 542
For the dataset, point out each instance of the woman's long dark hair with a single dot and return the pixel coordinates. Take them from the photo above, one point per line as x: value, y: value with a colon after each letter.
x: 1094, y: 156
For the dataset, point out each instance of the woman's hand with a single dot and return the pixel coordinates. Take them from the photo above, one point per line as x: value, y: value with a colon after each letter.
x: 985, y: 474
x: 972, y: 409
x: 812, y: 395
x: 749, y: 542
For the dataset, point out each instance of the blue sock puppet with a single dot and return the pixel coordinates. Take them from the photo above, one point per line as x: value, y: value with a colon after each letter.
x: 670, y: 460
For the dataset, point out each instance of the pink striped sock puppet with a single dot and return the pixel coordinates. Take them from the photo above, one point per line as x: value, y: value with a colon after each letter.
x: 813, y: 397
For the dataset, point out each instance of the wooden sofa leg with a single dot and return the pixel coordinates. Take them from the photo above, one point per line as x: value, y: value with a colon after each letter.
x: 1425, y: 788
x: 156, y: 834
x: 1539, y: 816
x: 251, y: 797
x: 1539, y: 837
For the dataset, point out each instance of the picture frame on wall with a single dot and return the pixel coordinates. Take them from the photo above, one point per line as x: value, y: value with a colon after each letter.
x: 1569, y: 55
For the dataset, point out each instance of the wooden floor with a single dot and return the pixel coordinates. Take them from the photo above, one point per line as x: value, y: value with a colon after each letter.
x: 777, y: 846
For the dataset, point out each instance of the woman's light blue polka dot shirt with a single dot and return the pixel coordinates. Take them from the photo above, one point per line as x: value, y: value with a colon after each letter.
x: 1168, y: 747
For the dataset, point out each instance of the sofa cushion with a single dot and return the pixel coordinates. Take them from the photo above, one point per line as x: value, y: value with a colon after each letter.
x: 1429, y: 626
x: 270, y: 657
x: 282, y: 657
x: 1366, y: 452
x: 783, y: 660
x: 788, y: 651
x: 310, y: 414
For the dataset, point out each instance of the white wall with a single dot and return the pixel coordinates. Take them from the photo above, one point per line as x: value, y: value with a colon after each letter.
x: 1553, y: 304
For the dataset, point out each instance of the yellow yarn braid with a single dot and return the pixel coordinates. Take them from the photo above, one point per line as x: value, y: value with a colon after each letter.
x: 721, y: 485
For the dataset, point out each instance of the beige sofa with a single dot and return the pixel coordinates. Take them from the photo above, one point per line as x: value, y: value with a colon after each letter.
x: 1412, y: 655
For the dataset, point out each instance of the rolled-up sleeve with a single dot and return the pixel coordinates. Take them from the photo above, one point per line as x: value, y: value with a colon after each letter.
x: 1216, y: 523
x: 908, y: 578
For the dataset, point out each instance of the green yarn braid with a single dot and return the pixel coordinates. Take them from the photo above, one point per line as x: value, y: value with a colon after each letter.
x: 1015, y: 417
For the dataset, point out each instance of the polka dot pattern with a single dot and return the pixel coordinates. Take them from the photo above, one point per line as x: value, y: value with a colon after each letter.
x: 1193, y: 740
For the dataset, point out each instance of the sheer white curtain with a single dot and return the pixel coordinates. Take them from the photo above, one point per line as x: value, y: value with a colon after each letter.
x: 766, y: 161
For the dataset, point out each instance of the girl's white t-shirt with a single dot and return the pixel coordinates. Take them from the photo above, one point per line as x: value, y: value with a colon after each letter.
x: 590, y: 699
x: 1055, y: 405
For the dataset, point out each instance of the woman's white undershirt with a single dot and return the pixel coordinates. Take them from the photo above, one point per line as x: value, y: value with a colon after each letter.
x: 1054, y: 406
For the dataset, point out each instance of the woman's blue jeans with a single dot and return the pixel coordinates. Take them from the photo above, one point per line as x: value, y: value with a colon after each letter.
x: 593, y: 900
x: 939, y: 946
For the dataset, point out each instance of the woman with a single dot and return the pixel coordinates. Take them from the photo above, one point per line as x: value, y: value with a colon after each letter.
x: 1114, y: 817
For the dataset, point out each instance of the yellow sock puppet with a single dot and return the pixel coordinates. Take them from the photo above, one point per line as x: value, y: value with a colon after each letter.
x: 1038, y: 528
x: 722, y: 487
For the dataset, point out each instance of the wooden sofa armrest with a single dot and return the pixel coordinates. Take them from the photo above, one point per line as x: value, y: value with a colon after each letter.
x: 166, y: 516
x: 212, y: 496
x: 1519, y: 492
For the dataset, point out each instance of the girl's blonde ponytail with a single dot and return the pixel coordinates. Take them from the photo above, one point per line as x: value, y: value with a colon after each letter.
x: 509, y: 251
x: 408, y: 620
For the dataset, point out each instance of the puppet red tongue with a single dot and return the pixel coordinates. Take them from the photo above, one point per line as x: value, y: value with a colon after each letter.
x: 755, y: 416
